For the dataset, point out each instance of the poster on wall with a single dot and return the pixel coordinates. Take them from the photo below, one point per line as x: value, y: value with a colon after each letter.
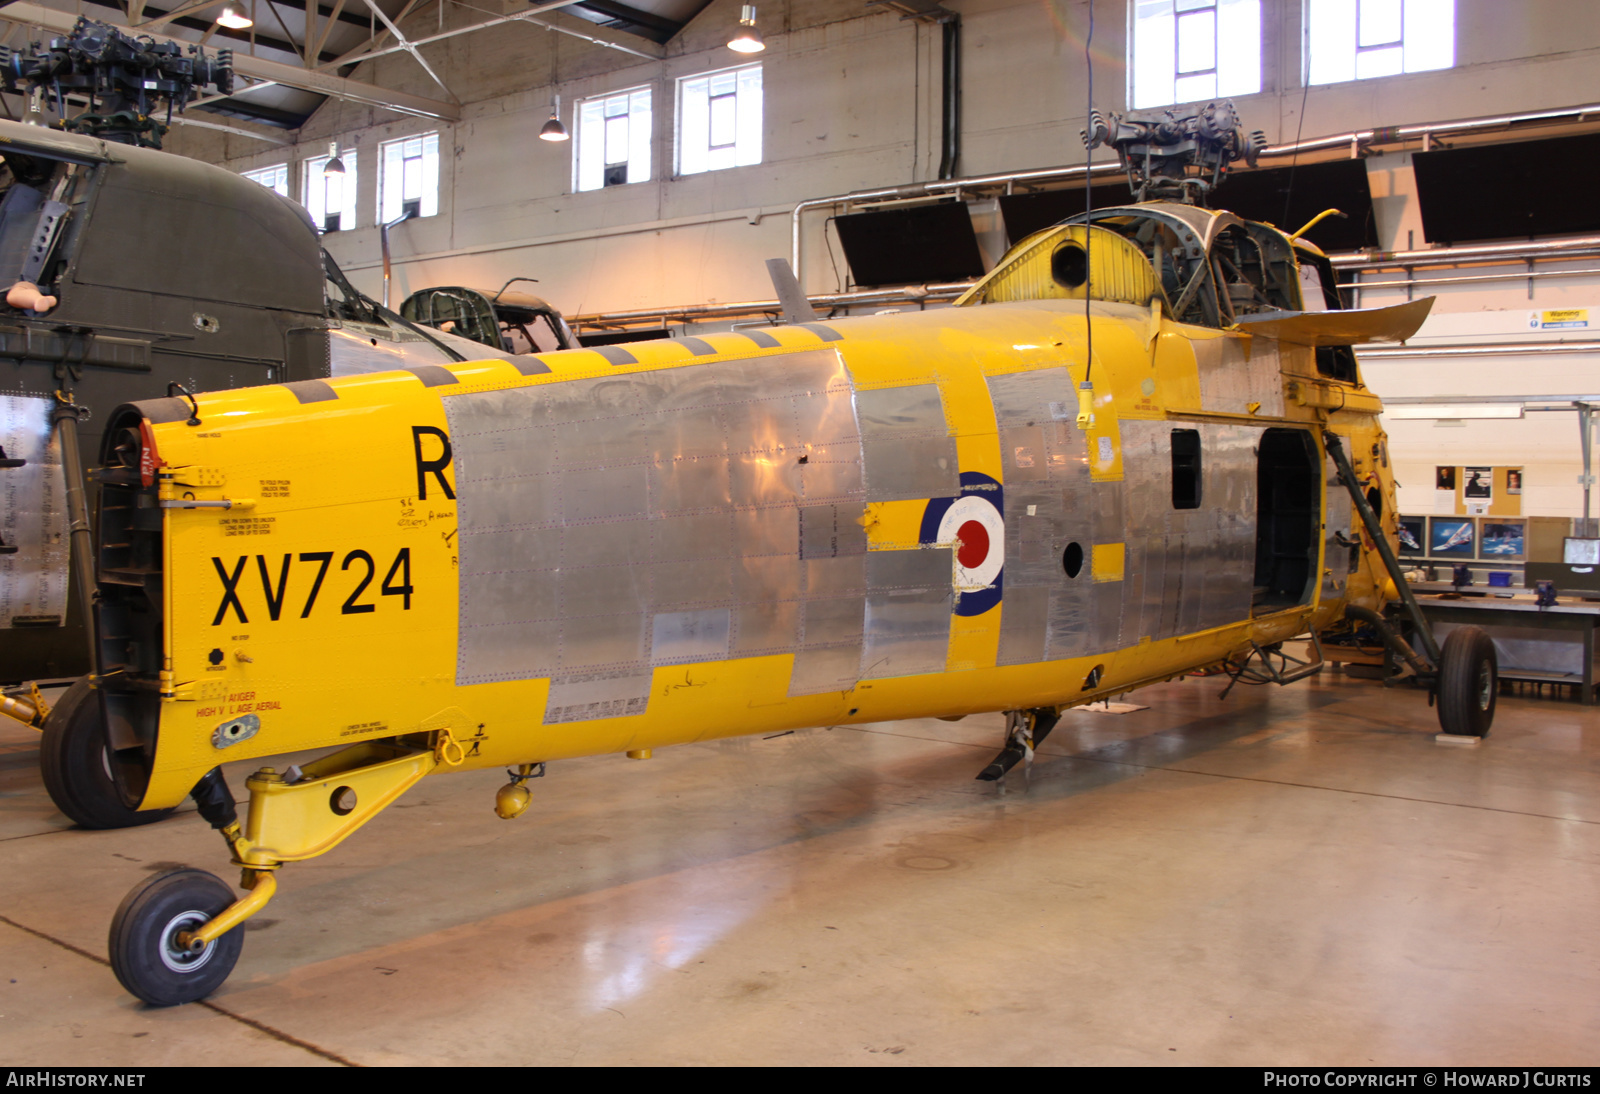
x: 1451, y: 537
x: 1514, y: 480
x: 1479, y: 483
x: 1503, y: 541
x: 1413, y: 533
x: 1444, y: 489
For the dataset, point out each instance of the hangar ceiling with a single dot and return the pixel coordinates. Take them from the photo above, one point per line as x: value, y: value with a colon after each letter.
x: 331, y: 39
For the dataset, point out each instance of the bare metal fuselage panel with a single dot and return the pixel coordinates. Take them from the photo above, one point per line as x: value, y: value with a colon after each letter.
x: 608, y: 550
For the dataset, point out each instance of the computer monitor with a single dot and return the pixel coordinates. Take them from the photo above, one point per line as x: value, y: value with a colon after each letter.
x: 1580, y: 551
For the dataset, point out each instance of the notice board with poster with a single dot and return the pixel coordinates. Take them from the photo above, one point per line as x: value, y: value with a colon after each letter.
x: 1477, y: 490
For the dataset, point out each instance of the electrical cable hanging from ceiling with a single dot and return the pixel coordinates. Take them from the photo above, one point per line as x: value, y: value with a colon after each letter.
x: 1085, y: 389
x: 1288, y: 192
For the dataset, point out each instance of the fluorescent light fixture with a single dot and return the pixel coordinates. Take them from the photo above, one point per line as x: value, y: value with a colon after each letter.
x: 1426, y: 411
x: 234, y: 19
x: 747, y: 39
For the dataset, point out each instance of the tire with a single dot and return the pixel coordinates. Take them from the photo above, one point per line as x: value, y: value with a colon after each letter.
x: 1469, y: 681
x: 76, y: 764
x: 144, y: 951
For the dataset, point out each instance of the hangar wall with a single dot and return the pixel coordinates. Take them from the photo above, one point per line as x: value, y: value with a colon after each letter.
x: 852, y: 102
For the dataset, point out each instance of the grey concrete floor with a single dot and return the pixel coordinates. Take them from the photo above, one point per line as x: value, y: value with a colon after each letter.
x: 1292, y: 876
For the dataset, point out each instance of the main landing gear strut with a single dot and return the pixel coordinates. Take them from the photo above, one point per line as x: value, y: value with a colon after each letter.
x: 1025, y: 731
x: 1463, y: 676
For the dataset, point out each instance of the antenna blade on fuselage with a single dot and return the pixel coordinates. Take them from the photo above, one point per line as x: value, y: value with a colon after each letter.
x: 796, y: 308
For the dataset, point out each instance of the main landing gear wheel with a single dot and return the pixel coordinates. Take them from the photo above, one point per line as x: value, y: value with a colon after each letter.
x: 75, y: 760
x: 1469, y: 680
x: 145, y: 952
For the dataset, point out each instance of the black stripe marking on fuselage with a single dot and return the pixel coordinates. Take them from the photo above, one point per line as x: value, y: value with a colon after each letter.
x: 311, y: 391
x: 616, y: 355
x: 434, y: 375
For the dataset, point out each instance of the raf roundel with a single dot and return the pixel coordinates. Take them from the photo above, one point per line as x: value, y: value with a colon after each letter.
x: 972, y: 527
x: 976, y: 528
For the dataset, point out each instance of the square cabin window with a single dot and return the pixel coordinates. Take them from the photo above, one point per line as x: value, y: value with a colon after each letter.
x: 1186, y: 469
x: 273, y: 178
x: 1188, y: 51
x: 331, y: 199
x: 1364, y: 39
x: 408, y: 177
x: 719, y: 120
x: 613, y: 140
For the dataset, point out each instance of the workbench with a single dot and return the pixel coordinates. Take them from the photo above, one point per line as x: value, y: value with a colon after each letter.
x: 1553, y: 645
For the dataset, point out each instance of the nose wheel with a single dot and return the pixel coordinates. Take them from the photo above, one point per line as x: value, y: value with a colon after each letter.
x: 150, y: 949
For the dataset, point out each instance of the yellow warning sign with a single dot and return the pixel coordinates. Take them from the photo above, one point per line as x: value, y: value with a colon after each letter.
x: 1559, y: 318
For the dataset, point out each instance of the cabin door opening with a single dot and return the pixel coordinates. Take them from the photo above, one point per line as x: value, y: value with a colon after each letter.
x: 1288, y: 511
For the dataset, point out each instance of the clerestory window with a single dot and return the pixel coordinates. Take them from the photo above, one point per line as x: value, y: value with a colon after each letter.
x: 613, y: 147
x: 1187, y: 51
x: 409, y: 177
x: 1364, y: 39
x: 331, y: 199
x: 719, y: 120
x: 275, y: 177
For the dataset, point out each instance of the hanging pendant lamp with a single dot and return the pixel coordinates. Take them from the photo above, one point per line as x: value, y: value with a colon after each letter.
x: 747, y: 39
x: 553, y: 130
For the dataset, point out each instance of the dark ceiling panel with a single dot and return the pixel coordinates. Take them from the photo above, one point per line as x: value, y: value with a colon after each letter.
x: 624, y: 17
x: 256, y: 112
x: 1304, y: 191
x: 1508, y: 191
x: 1028, y: 213
x: 910, y: 246
x: 657, y: 20
x: 1254, y: 195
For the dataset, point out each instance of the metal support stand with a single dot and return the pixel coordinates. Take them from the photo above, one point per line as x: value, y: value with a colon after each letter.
x: 1586, y: 441
x: 82, y: 540
x: 383, y: 236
